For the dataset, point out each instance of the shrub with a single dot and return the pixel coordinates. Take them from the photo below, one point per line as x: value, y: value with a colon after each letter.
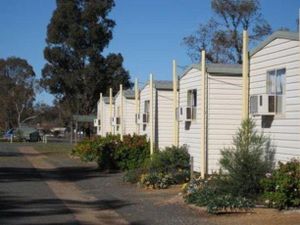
x: 157, y: 180
x: 209, y: 193
x: 133, y: 152
x: 111, y: 153
x: 238, y: 182
x: 247, y: 162
x: 99, y: 149
x: 282, y: 187
x: 86, y: 149
x: 133, y: 176
x: 166, y: 167
x: 169, y: 160
x: 106, y: 152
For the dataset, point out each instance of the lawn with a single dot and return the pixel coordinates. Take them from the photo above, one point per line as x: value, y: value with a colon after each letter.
x: 54, y: 148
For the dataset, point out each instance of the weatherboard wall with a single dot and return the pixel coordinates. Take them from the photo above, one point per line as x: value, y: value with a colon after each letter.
x: 224, y: 109
x: 285, y: 129
x: 191, y: 136
x: 128, y: 114
x: 224, y: 106
x: 162, y: 116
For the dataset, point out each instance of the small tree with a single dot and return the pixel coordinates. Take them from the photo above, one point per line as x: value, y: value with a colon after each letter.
x: 248, y: 161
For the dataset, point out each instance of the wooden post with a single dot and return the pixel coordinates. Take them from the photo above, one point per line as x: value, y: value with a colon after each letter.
x: 76, y: 131
x: 101, y: 115
x: 71, y: 132
x: 137, y: 105
x: 121, y: 113
x: 191, y: 167
x: 11, y: 138
x: 175, y: 106
x: 245, y: 111
x: 203, y: 115
x: 151, y: 116
x: 110, y: 110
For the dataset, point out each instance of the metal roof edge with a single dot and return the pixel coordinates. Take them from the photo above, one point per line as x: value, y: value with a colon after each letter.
x: 277, y: 34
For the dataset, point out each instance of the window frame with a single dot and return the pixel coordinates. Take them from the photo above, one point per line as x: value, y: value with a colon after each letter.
x: 275, y: 93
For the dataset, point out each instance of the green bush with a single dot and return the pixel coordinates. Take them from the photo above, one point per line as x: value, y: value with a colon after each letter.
x: 281, y: 189
x: 242, y: 167
x: 157, y: 180
x: 246, y: 163
x: 86, y: 149
x: 169, y: 160
x: 133, y: 152
x: 133, y: 176
x: 166, y: 167
x: 112, y: 153
x: 99, y: 149
x: 209, y: 193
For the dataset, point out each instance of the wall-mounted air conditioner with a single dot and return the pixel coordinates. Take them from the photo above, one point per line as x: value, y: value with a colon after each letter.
x: 145, y: 118
x: 263, y: 104
x: 97, y: 123
x: 190, y: 113
x: 116, y: 121
x: 138, y: 118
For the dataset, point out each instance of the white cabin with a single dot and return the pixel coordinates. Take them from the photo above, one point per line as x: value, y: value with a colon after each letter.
x: 275, y: 91
x: 223, y: 111
x: 129, y: 125
x: 162, y: 112
x: 103, y: 122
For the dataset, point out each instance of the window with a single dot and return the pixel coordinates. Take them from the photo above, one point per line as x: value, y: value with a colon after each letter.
x: 147, y: 106
x: 276, y: 87
x: 191, y: 111
x: 192, y: 98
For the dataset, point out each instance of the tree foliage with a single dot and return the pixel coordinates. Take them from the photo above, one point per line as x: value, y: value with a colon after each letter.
x: 247, y: 162
x: 221, y: 36
x: 17, y: 91
x: 76, y: 70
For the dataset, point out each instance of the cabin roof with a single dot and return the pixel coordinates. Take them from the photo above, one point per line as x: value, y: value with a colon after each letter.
x: 161, y: 85
x: 106, y: 100
x: 128, y: 93
x: 217, y: 69
x: 277, y: 34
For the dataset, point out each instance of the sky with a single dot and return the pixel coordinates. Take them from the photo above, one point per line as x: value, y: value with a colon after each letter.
x: 148, y: 33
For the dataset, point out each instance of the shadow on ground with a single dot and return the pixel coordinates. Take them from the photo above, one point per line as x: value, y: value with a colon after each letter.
x: 14, y: 207
x: 72, y: 174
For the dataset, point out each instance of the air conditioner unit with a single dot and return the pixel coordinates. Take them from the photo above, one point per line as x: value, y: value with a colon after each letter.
x: 96, y: 123
x: 114, y: 121
x: 138, y: 118
x: 118, y: 120
x: 179, y: 114
x: 263, y: 104
x: 190, y: 113
x: 145, y: 118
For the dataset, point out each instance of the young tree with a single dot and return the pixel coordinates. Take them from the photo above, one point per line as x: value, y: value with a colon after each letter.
x: 17, y: 91
x: 76, y: 70
x: 247, y: 162
x: 221, y: 37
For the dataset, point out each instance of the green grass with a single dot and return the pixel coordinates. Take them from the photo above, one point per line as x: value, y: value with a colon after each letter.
x: 54, y: 148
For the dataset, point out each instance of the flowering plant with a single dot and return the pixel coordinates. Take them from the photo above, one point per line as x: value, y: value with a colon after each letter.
x: 281, y: 189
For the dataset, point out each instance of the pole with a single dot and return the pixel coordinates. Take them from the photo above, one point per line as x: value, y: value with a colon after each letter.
x: 110, y: 110
x: 151, y: 116
x: 175, y: 105
x: 71, y: 132
x: 121, y: 113
x: 203, y: 114
x: 137, y: 105
x: 101, y: 115
x: 245, y: 111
